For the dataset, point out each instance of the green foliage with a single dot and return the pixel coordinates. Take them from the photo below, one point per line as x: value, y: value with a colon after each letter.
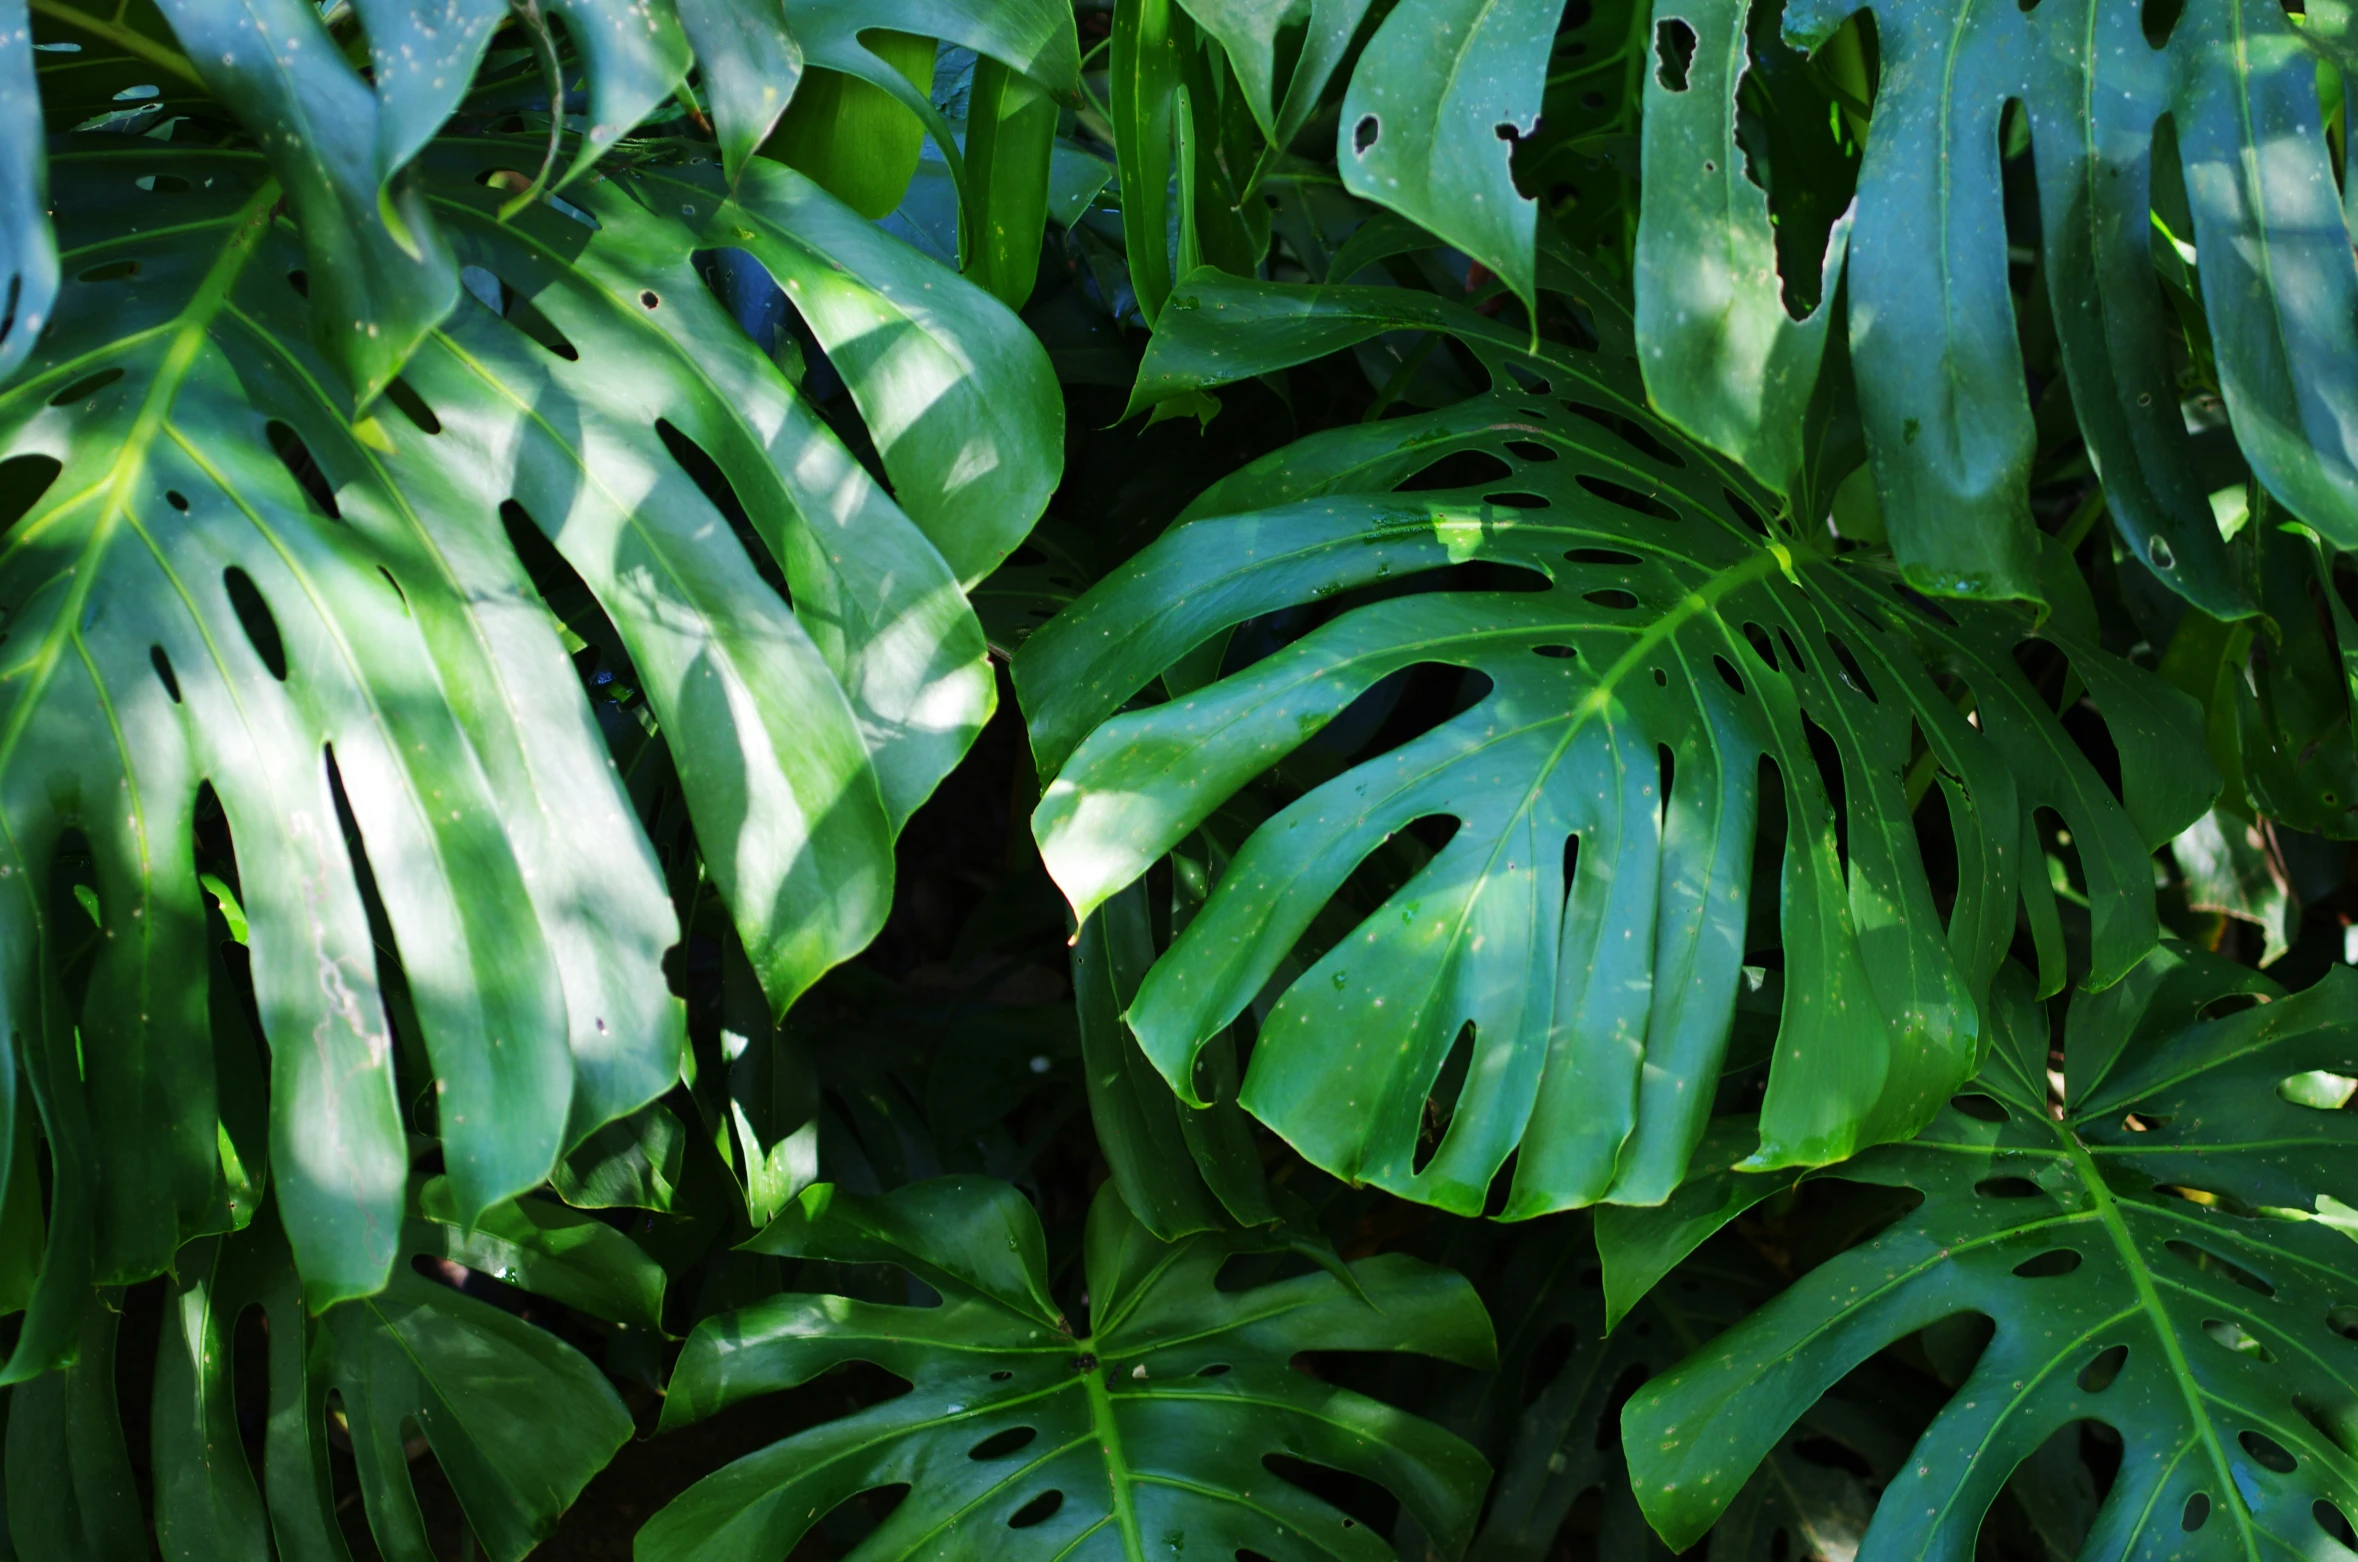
x: 2164, y: 1251
x: 1649, y: 636
x: 2203, y: 118
x: 1612, y: 605
x: 1147, y: 1432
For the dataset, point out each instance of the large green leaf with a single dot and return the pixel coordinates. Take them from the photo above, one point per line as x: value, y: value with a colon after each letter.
x: 28, y: 253
x: 340, y: 142
x: 1563, y: 1445
x: 1251, y: 32
x: 1724, y: 358
x: 1431, y: 117
x: 1020, y: 1439
x: 2166, y: 1252
x: 517, y: 1420
x: 1650, y: 633
x: 1932, y: 335
x: 181, y: 609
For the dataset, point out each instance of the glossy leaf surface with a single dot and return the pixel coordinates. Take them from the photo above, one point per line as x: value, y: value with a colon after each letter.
x: 2165, y: 1257
x: 230, y: 582
x: 1628, y: 628
x: 1429, y: 123
x: 1150, y: 1431
x: 1931, y: 320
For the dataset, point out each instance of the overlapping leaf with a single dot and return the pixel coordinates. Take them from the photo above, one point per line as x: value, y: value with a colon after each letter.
x: 1430, y: 119
x: 2164, y: 1252
x: 517, y: 1420
x: 2124, y: 105
x: 1018, y: 1439
x: 1660, y: 650
x: 368, y: 651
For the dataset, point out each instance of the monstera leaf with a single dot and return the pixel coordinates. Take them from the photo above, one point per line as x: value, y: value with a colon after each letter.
x: 517, y: 1420
x: 1019, y: 1438
x: 1640, y: 650
x: 1431, y: 117
x: 2166, y: 1251
x: 212, y: 576
x: 2207, y: 112
x: 1565, y: 1444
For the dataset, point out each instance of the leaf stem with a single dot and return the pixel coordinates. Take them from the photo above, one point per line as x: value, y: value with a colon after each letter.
x: 1117, y: 1466
x: 138, y: 45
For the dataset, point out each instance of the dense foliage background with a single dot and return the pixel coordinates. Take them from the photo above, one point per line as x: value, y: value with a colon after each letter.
x: 1267, y: 778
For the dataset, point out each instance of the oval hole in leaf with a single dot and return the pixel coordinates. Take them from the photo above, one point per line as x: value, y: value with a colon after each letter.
x: 2047, y: 1265
x: 1600, y: 556
x: 1362, y: 1501
x: 1559, y: 652
x: 1037, y: 1511
x: 1727, y: 673
x: 295, y: 456
x: 1529, y: 450
x: 2343, y: 1320
x: 1000, y: 1444
x: 2335, y: 1523
x: 512, y: 306
x: 1627, y: 498
x: 110, y: 271
x: 23, y: 480
x: 2268, y: 1452
x: 1610, y: 598
x: 1441, y: 1098
x: 1215, y: 1370
x: 1517, y: 499
x: 176, y: 499
x: 2229, y: 1003
x: 2007, y: 1188
x: 253, y: 615
x: 1532, y: 382
x: 2203, y: 1258
x: 1853, y: 674
x: 715, y: 485
x: 300, y: 281
x: 2235, y: 1337
x: 1630, y: 432
x: 2160, y: 19
x: 163, y: 666
x: 1001, y: 1376
x: 2318, y: 1090
x: 161, y: 184
x: 1457, y: 469
x: 1364, y: 134
x: 1674, y: 53
x: 413, y: 406
x: 1757, y: 638
x: 2098, y: 1375
x: 2198, y: 1510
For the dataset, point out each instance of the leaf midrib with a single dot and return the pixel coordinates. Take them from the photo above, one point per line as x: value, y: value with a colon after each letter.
x: 2108, y: 1214
x: 180, y: 356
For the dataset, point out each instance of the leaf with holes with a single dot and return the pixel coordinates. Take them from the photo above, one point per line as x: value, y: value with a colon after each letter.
x: 1624, y: 654
x: 517, y: 1420
x: 28, y: 252
x: 1725, y: 359
x: 1430, y: 120
x: 1146, y: 1435
x: 2125, y: 107
x: 2162, y: 1252
x: 1565, y: 1445
x: 214, y: 577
